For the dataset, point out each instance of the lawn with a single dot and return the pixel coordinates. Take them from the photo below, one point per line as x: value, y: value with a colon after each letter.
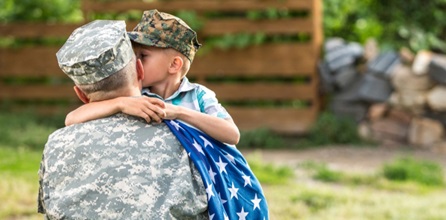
x: 405, y: 189
x: 298, y: 193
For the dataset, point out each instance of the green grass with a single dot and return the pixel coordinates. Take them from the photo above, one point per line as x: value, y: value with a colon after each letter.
x: 308, y: 191
x: 19, y: 182
x: 26, y: 130
x: 269, y: 173
x: 419, y: 171
x: 291, y: 195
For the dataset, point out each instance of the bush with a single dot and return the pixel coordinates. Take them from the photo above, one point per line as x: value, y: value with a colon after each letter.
x: 260, y: 138
x: 40, y: 10
x: 27, y: 130
x: 409, y: 169
x: 330, y: 129
x: 413, y: 24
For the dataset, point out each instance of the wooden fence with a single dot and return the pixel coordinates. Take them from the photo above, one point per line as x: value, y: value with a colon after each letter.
x: 273, y: 84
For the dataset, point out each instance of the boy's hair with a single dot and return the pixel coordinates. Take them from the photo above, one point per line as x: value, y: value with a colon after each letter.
x: 159, y: 29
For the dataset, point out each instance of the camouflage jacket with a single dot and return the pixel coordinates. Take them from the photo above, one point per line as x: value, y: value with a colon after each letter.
x: 118, y: 168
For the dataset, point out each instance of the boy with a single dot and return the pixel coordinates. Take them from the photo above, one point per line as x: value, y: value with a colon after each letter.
x: 166, y: 46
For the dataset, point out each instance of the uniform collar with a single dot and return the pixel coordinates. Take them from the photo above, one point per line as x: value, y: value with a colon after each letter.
x: 185, y: 86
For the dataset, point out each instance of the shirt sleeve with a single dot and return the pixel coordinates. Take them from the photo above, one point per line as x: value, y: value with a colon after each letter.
x: 209, y: 104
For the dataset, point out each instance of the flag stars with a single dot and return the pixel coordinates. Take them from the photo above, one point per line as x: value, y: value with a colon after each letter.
x: 212, y: 174
x: 209, y: 191
x: 175, y: 124
x: 242, y: 214
x: 256, y: 202
x: 206, y: 142
x: 247, y: 180
x: 230, y: 158
x: 221, y: 165
x: 198, y: 147
x: 233, y: 191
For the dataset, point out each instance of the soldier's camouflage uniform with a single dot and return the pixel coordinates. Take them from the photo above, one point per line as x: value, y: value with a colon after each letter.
x: 117, y: 167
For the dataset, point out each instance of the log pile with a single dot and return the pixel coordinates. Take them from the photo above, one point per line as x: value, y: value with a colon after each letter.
x: 397, y: 97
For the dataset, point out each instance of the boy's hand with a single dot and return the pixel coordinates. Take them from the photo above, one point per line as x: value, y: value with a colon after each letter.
x: 151, y: 109
x: 171, y: 111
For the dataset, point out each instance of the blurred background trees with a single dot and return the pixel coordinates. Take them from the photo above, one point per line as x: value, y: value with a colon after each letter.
x: 410, y: 23
x: 399, y: 23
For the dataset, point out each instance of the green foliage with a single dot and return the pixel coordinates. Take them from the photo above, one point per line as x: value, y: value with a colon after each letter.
x: 327, y: 175
x: 315, y: 200
x: 131, y: 15
x: 260, y: 138
x: 350, y: 19
x: 401, y: 23
x: 269, y: 173
x: 269, y: 13
x: 230, y: 41
x: 27, y: 130
x: 417, y: 24
x: 409, y: 169
x: 40, y: 10
x: 191, y: 18
x: 331, y: 129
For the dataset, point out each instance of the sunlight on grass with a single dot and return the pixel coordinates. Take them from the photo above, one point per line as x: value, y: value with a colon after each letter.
x: 19, y: 183
x: 19, y: 197
x: 19, y: 161
x: 327, y: 201
x: 269, y: 173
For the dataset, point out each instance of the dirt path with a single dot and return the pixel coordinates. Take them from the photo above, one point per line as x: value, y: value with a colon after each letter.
x: 353, y: 159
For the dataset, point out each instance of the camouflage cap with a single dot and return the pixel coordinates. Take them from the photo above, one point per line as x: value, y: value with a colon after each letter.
x: 159, y: 29
x: 95, y: 51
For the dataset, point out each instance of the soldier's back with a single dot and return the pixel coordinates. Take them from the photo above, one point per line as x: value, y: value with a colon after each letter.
x: 119, y: 168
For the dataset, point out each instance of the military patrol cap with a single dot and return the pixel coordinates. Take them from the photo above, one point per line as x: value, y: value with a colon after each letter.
x: 159, y: 29
x: 95, y: 51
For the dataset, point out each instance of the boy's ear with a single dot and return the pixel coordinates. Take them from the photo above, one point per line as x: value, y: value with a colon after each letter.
x: 81, y: 95
x: 176, y: 64
x: 139, y: 69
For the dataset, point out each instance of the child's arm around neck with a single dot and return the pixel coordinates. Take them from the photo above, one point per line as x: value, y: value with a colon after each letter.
x: 151, y: 109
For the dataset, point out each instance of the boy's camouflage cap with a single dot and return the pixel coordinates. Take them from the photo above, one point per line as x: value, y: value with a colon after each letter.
x: 95, y: 51
x: 159, y: 29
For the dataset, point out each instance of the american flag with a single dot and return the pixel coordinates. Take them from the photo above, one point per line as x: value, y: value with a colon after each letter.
x: 232, y: 189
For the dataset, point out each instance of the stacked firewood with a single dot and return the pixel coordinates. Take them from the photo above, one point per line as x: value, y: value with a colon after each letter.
x: 397, y: 97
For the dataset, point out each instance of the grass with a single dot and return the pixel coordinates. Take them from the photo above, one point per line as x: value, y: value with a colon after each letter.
x: 308, y: 191
x: 304, y: 194
x: 19, y: 183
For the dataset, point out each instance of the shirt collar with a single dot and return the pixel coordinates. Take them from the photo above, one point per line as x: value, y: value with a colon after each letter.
x: 185, y: 86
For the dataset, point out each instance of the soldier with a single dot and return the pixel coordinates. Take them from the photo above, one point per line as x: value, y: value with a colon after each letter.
x: 118, y: 167
x: 167, y: 46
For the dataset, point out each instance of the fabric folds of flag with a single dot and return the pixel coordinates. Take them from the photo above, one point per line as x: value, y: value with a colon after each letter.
x: 232, y: 189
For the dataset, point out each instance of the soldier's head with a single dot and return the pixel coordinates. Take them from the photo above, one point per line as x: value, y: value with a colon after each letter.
x: 163, y: 30
x: 98, y: 57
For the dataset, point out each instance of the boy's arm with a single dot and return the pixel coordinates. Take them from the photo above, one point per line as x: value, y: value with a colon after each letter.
x: 151, y: 109
x: 223, y: 130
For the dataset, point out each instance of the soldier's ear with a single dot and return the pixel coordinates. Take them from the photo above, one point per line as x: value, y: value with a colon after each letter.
x: 139, y: 69
x: 81, y: 95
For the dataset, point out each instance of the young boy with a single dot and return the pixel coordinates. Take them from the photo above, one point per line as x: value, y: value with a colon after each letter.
x: 166, y: 46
